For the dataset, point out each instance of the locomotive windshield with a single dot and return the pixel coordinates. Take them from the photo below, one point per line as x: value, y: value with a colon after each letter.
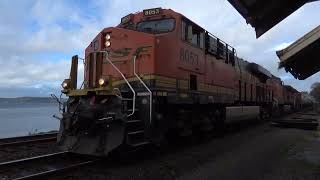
x: 156, y: 26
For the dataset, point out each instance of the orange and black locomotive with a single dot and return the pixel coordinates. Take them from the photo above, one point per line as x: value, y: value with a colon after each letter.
x: 158, y: 73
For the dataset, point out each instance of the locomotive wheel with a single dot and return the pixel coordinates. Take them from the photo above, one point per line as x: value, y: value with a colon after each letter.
x: 160, y: 138
x: 265, y: 115
x: 184, y: 124
x: 217, y: 121
x: 206, y: 124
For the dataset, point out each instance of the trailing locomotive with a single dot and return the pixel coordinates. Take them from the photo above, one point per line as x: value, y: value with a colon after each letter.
x: 159, y: 73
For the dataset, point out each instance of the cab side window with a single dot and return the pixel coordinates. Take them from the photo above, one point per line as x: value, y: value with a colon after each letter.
x: 192, y: 34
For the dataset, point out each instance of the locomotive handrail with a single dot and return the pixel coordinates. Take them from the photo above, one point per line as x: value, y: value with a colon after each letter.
x: 125, y: 79
x: 84, y: 64
x: 142, y: 82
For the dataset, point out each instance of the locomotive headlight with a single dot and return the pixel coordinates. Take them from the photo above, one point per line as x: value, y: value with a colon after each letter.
x: 103, y: 82
x: 108, y: 37
x: 108, y: 43
x: 66, y: 84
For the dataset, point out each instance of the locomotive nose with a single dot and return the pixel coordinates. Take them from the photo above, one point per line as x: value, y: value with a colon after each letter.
x: 111, y: 53
x: 99, y: 123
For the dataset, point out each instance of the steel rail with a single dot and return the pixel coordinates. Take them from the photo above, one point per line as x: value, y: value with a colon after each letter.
x: 43, y: 159
x: 14, y: 141
x: 19, y: 161
x: 59, y: 171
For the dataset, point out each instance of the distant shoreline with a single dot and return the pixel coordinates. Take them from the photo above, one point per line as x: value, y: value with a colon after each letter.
x: 28, y: 105
x: 27, y: 100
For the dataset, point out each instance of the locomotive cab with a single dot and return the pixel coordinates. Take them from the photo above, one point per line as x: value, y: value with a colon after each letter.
x: 135, y: 72
x: 118, y: 69
x: 157, y: 74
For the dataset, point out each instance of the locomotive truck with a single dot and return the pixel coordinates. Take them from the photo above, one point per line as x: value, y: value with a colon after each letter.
x: 157, y: 74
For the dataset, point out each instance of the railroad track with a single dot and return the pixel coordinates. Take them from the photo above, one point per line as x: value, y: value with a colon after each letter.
x: 42, y: 167
x: 301, y: 120
x: 22, y: 140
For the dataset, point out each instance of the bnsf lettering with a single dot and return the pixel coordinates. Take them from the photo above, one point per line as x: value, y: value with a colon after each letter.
x: 189, y: 57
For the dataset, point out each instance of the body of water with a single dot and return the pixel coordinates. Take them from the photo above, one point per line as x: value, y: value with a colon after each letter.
x: 20, y: 120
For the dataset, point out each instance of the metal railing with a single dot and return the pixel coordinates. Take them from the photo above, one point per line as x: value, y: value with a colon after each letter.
x: 131, y: 88
x: 142, y: 82
x: 125, y: 79
x: 84, y: 65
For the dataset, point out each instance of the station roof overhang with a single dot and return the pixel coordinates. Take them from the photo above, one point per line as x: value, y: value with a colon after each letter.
x: 301, y: 58
x: 263, y: 15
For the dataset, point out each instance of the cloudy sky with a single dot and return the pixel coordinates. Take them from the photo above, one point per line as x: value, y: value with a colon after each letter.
x: 38, y: 38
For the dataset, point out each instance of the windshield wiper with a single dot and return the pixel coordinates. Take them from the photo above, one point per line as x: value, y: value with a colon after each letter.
x: 163, y: 30
x: 147, y: 29
x: 152, y: 30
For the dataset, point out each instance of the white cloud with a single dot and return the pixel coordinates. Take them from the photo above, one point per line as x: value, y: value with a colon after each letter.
x: 279, y: 46
x: 32, y: 32
x: 20, y: 72
x: 36, y: 74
